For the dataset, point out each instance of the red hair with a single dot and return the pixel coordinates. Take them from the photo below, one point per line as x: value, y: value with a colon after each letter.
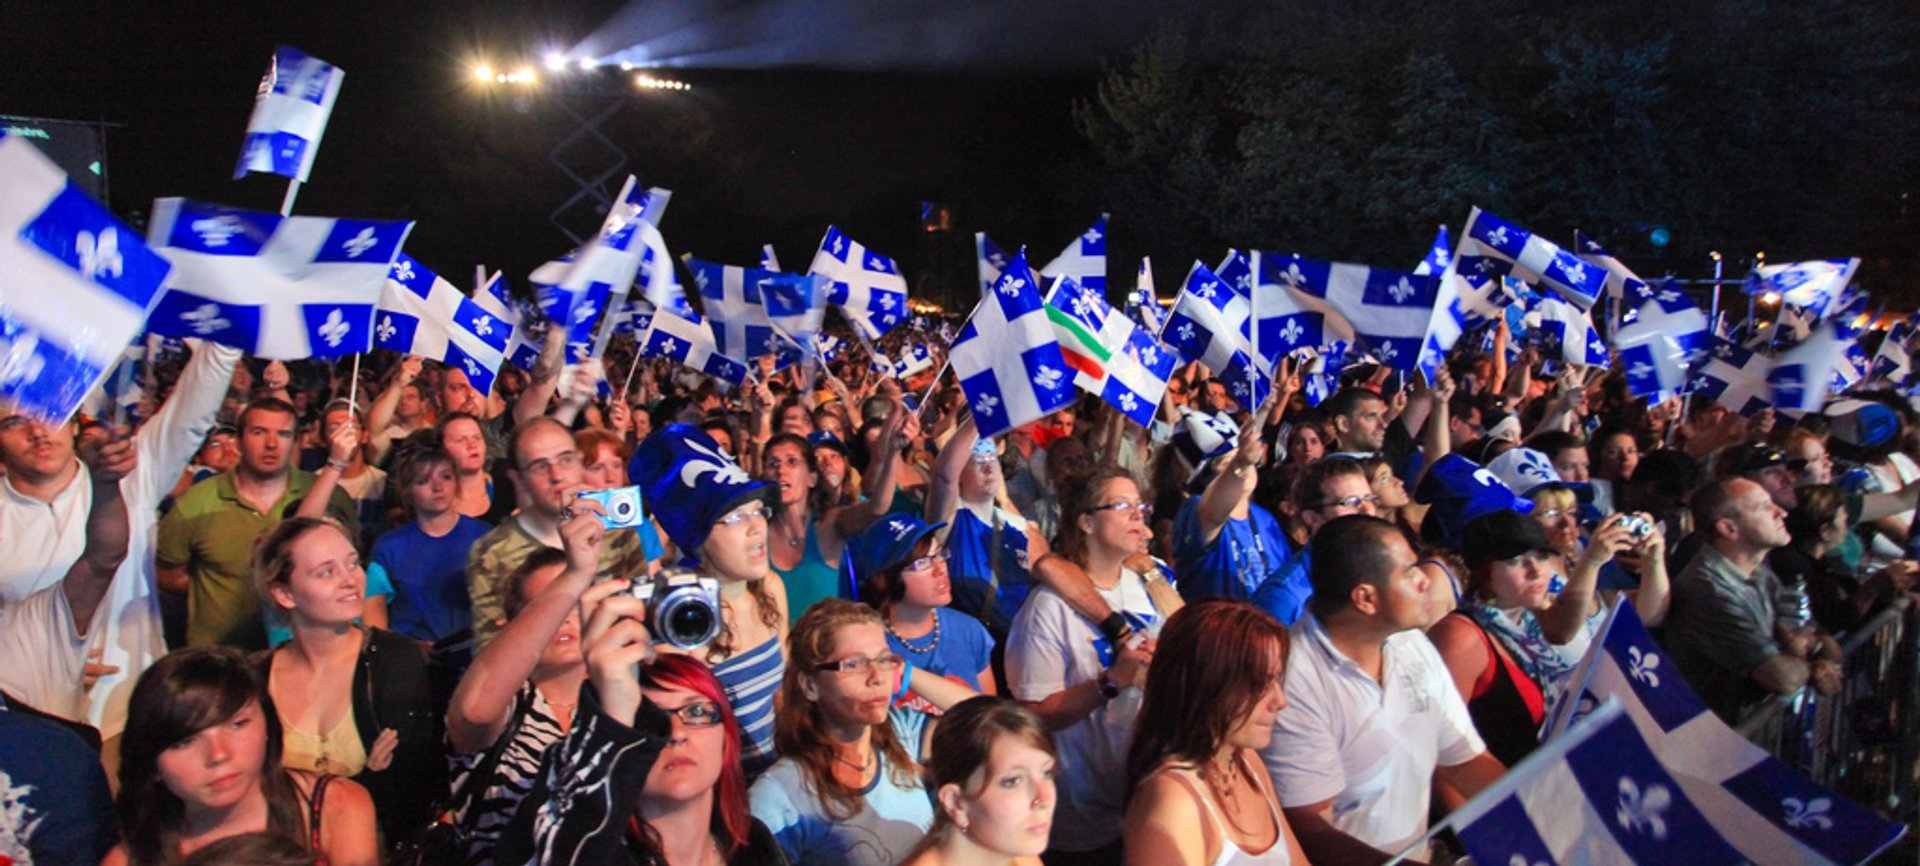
x: 731, y: 823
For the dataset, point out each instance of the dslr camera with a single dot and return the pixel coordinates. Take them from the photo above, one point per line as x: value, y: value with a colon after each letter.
x: 683, y: 608
x: 622, y: 506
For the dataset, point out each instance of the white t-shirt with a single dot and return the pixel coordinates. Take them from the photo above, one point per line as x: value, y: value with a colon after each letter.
x: 1050, y: 649
x: 1368, y: 748
x: 45, y: 656
x: 43, y: 540
x: 1883, y: 551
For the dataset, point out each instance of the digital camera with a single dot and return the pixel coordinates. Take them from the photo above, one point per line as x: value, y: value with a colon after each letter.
x: 683, y: 608
x: 622, y: 506
x: 1637, y: 526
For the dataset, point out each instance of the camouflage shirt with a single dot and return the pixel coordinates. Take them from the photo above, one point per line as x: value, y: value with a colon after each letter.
x: 498, y: 553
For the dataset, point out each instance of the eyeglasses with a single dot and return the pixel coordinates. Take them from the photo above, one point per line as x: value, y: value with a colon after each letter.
x: 1349, y: 502
x: 926, y: 563
x: 859, y: 664
x: 763, y: 512
x: 699, y: 714
x: 564, y: 460
x: 1551, y: 514
x: 1144, y: 509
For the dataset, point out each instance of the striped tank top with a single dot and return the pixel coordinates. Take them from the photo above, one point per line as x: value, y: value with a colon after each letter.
x: 751, y: 679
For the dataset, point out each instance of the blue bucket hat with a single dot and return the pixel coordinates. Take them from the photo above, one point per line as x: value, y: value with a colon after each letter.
x: 689, y: 483
x: 885, y: 544
x: 1461, y: 491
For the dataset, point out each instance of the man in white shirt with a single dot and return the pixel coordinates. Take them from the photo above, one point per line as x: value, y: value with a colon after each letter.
x: 1373, y: 720
x: 44, y: 504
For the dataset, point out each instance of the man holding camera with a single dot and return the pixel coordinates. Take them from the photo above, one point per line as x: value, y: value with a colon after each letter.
x: 546, y: 473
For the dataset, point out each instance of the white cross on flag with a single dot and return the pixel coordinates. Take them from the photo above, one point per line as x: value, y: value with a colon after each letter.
x: 1111, y: 357
x: 422, y: 314
x: 1211, y: 322
x: 1621, y: 281
x: 1734, y: 377
x: 1567, y: 330
x: 523, y: 347
x: 867, y: 287
x: 289, y: 115
x: 1007, y: 359
x: 1534, y: 258
x: 687, y: 338
x: 75, y: 285
x: 1085, y: 259
x: 278, y: 287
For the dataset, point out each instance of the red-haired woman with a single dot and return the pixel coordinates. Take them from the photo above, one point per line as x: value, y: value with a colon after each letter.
x: 651, y: 771
x: 1200, y: 794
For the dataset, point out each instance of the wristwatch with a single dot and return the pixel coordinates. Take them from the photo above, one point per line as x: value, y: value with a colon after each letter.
x: 1108, y: 690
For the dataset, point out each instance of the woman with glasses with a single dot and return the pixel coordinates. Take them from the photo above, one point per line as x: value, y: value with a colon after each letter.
x: 847, y: 788
x: 1087, y: 688
x: 901, y: 570
x: 650, y: 772
x: 808, y: 535
x: 992, y: 546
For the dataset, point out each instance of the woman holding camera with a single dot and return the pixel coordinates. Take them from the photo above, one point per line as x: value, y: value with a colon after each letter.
x: 521, y: 694
x: 650, y: 773
x: 990, y: 766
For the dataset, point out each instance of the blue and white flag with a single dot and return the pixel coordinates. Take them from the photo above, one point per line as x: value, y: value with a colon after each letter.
x: 1893, y: 362
x: 1144, y: 303
x: 1564, y: 330
x: 689, y: 340
x: 76, y: 285
x: 1768, y: 812
x: 277, y: 287
x: 577, y: 289
x: 770, y: 260
x: 1621, y: 284
x: 866, y: 287
x: 1534, y: 258
x: 755, y: 312
x: 1135, y: 370
x: 915, y: 358
x: 1735, y: 377
x: 648, y: 204
x: 1210, y: 322
x: 1802, y: 377
x: 1813, y: 286
x: 1438, y: 255
x: 1085, y: 259
x: 1660, y: 340
x: 1007, y: 359
x: 992, y: 260
x: 1307, y: 303
x: 289, y: 115
x: 523, y: 347
x: 423, y: 314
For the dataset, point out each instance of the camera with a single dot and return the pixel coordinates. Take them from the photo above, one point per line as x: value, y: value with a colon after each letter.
x: 622, y: 506
x: 1637, y: 526
x: 683, y: 608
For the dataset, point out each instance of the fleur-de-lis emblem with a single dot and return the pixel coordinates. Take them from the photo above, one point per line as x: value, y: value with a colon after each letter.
x: 839, y: 246
x: 1669, y: 296
x: 403, y: 270
x: 1643, y: 811
x: 216, y: 231
x: 1093, y: 235
x: 1387, y: 351
x: 1184, y: 332
x: 205, y: 319
x: 99, y: 256
x: 1641, y: 666
x: 1292, y: 276
x: 483, y: 326
x: 1598, y: 348
x: 1401, y: 291
x: 386, y: 330
x: 1498, y: 237
x: 1292, y: 332
x: 358, y: 245
x: 1150, y: 356
x: 1811, y: 813
x: 1203, y: 290
x: 669, y: 346
x: 718, y: 465
x: 335, y: 328
x: 473, y: 368
x: 898, y: 525
x: 1127, y: 402
x: 1640, y: 370
x: 700, y: 279
x: 18, y: 363
x: 581, y: 312
x: 986, y: 405
x: 886, y: 300
x: 1576, y: 272
x: 1012, y: 287
x: 1047, y: 377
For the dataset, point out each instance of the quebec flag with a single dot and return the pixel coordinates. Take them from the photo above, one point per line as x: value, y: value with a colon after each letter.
x: 277, y: 287
x: 1812, y: 286
x: 992, y: 261
x: 422, y: 314
x: 867, y: 287
x: 75, y: 285
x: 1735, y: 377
x: 1085, y: 259
x: 1388, y: 310
x: 523, y: 347
x: 1112, y: 358
x: 1534, y: 258
x: 1007, y: 359
x: 289, y: 115
x: 687, y: 338
x: 1566, y: 330
x: 755, y: 312
x: 1802, y: 376
x: 1764, y: 810
x: 1211, y: 321
x: 1622, y: 284
x: 576, y: 289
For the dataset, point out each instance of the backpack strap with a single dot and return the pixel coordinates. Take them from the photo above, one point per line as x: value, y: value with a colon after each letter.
x: 316, y: 800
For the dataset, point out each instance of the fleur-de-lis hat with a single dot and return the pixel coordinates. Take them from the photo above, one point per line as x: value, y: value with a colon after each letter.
x: 885, y: 544
x: 688, y: 483
x: 1525, y: 471
x: 1460, y: 490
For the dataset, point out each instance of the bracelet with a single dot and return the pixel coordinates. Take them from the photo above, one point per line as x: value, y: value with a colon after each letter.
x: 1114, y: 628
x: 337, y: 464
x: 906, y: 676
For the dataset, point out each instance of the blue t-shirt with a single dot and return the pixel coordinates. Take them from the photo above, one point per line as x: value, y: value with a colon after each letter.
x: 429, y: 578
x: 970, y: 542
x: 1285, y: 593
x: 965, y: 648
x: 59, y: 810
x: 1246, y: 553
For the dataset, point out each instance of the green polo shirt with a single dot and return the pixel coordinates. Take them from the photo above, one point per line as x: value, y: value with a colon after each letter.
x: 211, y: 531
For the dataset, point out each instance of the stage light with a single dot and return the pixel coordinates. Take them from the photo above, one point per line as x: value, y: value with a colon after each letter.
x: 587, y: 64
x: 483, y: 72
x: 626, y: 66
x: 556, y: 61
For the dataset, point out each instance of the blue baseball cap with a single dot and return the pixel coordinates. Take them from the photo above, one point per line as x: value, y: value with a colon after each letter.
x: 887, y: 543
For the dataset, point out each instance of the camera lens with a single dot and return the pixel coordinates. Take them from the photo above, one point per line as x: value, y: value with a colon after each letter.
x: 686, y: 620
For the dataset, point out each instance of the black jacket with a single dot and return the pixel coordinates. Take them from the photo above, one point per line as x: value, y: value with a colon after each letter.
x: 589, y: 782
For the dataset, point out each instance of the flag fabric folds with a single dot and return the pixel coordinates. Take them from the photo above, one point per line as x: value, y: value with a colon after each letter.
x: 1111, y: 357
x: 1437, y: 255
x: 1768, y: 812
x: 688, y: 339
x: 576, y: 289
x: 1144, y: 303
x: 866, y: 287
x: 523, y: 346
x: 277, y: 287
x: 76, y: 285
x: 289, y: 115
x: 1534, y: 258
x: 1210, y: 323
x: 1566, y: 331
x: 1621, y: 282
x: 1085, y: 259
x: 755, y: 312
x: 1801, y: 377
x: 1006, y: 357
x: 1307, y: 303
x: 1734, y: 376
x: 1893, y: 362
x: 992, y: 261
x: 422, y: 314
x: 1813, y: 286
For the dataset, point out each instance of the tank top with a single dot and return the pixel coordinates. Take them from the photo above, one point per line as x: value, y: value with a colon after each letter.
x: 1231, y: 854
x: 750, y: 680
x: 1506, y: 705
x: 811, y: 579
x: 338, y: 752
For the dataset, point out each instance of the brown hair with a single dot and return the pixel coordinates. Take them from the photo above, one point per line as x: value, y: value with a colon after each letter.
x: 539, y: 560
x: 964, y: 741
x: 1818, y: 503
x: 797, y: 726
x: 1214, y: 661
x: 273, y: 557
x: 1080, y: 495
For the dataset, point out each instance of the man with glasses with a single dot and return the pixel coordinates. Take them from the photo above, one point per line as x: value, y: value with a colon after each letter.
x: 547, y: 476
x: 1329, y: 488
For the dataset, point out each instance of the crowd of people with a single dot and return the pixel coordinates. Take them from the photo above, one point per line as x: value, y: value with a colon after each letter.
x: 275, y: 615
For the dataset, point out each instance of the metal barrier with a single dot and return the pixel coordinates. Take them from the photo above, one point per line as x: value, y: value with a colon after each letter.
x: 1862, y: 741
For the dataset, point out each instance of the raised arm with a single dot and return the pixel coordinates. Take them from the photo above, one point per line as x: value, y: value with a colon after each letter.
x: 544, y: 378
x: 380, y: 414
x: 943, y: 489
x: 1228, y: 494
x: 109, y: 458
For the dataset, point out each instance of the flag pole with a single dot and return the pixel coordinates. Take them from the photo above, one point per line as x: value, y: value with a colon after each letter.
x: 353, y: 385
x: 946, y: 364
x: 293, y: 190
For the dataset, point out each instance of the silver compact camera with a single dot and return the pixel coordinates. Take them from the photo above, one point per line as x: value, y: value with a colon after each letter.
x: 622, y: 506
x: 683, y: 608
x: 1637, y: 526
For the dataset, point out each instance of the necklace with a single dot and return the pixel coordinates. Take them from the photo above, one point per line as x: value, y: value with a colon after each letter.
x: 1228, y: 802
x: 935, y: 644
x: 869, y: 765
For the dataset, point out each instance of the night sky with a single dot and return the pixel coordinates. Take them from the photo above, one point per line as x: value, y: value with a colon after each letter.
x: 753, y: 155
